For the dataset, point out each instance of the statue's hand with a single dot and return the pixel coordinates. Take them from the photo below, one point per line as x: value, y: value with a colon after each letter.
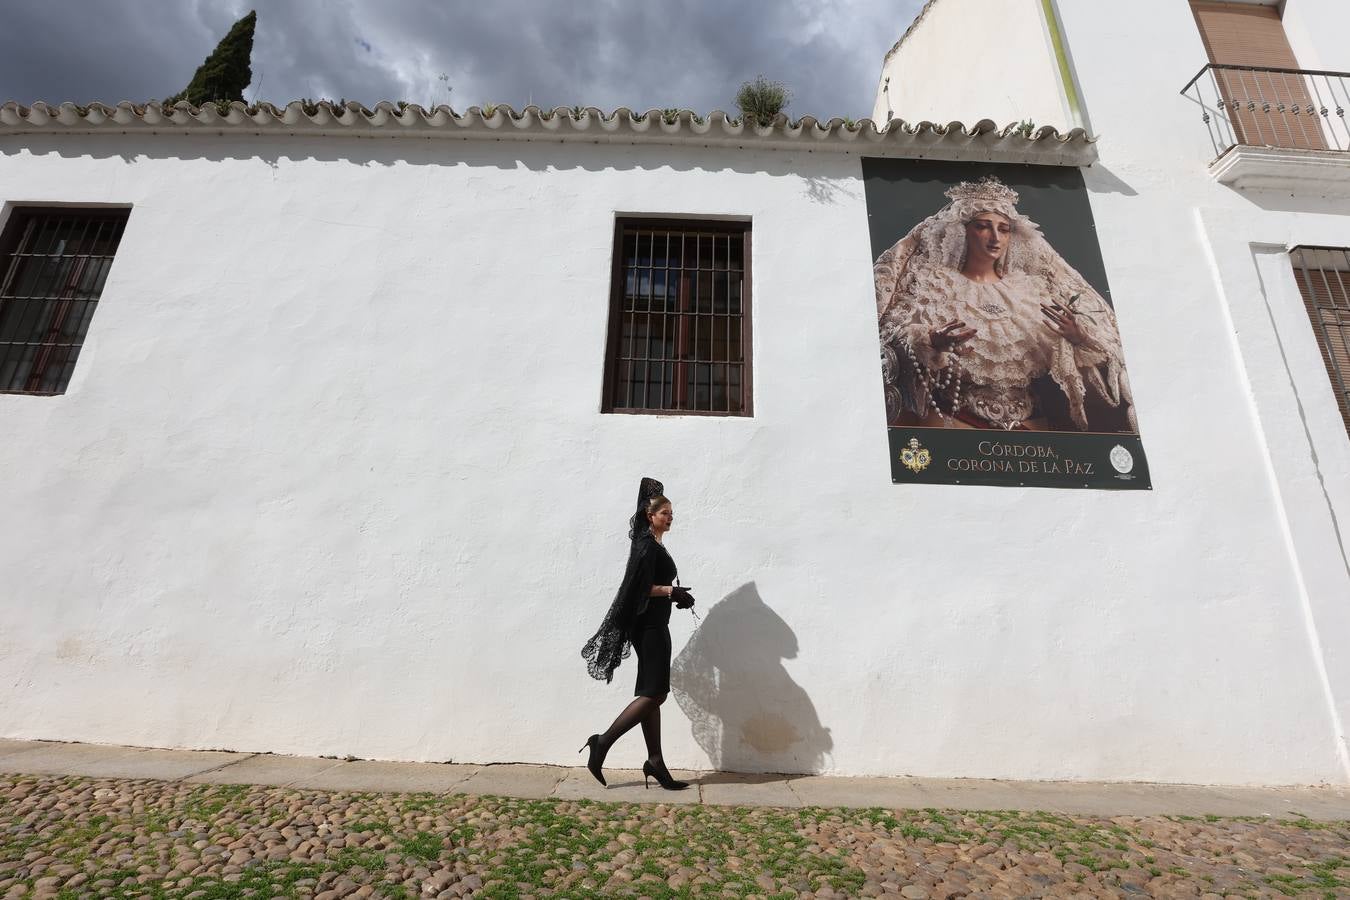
x: 952, y: 336
x: 1065, y: 323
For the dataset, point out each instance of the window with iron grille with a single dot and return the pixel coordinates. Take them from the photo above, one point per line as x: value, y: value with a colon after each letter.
x: 53, y: 264
x: 679, y: 332
x: 1323, y: 276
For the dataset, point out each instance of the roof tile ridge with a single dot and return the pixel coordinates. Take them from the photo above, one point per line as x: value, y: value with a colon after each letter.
x: 325, y: 117
x: 918, y: 19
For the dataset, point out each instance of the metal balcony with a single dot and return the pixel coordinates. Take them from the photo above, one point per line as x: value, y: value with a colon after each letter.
x: 1259, y: 106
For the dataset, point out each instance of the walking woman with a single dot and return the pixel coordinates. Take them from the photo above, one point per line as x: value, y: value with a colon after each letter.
x: 640, y: 617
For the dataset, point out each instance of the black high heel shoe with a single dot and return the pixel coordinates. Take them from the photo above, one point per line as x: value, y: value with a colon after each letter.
x: 596, y: 759
x: 662, y: 776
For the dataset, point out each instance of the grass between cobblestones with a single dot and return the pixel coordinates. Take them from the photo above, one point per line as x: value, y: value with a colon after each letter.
x: 79, y: 837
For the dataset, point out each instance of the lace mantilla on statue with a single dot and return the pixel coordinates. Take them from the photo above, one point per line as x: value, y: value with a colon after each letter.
x: 920, y: 288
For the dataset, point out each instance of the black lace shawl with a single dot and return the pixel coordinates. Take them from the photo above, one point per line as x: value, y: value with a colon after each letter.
x: 609, y: 645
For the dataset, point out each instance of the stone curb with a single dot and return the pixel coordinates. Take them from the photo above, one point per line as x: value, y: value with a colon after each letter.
x: 1328, y: 803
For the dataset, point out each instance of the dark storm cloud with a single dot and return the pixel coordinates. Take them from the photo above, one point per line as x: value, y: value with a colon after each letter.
x: 605, y: 53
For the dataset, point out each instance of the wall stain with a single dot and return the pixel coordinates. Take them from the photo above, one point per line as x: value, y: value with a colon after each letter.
x: 73, y: 649
x: 769, y: 733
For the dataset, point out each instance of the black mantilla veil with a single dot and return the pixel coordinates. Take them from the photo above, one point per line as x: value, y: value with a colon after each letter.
x: 609, y: 645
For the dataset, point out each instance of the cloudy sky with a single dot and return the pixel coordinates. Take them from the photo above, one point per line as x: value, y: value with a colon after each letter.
x: 605, y: 53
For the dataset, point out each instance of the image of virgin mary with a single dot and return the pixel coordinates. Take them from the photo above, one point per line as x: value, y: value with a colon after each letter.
x: 984, y: 325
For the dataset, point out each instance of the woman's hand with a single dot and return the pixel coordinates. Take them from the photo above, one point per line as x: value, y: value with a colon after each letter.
x: 1063, y: 321
x: 683, y: 599
x: 952, y: 336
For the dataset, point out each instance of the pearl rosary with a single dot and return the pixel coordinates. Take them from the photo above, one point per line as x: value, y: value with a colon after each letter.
x: 948, y: 376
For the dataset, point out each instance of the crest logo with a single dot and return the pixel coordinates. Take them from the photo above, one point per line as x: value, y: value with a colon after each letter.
x: 915, y: 457
x: 1121, y: 459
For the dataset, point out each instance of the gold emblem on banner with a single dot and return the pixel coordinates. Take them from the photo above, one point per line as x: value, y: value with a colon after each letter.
x: 915, y: 457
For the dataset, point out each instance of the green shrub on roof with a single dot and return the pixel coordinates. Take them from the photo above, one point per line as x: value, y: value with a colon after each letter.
x: 762, y: 100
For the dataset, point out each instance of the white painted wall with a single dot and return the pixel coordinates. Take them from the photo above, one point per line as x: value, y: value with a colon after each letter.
x: 969, y: 60
x: 1210, y: 266
x: 331, y: 479
x: 331, y: 476
x: 1158, y: 213
x: 1317, y: 30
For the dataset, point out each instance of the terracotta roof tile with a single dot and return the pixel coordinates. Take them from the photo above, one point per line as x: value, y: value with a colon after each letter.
x: 983, y: 140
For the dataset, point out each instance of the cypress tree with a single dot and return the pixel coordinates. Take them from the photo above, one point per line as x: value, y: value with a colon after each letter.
x: 226, y: 72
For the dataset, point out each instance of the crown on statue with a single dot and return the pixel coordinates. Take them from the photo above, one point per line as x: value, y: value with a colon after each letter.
x: 989, y: 189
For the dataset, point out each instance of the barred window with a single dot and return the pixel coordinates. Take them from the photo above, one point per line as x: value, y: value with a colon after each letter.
x: 1323, y: 276
x: 679, y: 333
x: 53, y: 264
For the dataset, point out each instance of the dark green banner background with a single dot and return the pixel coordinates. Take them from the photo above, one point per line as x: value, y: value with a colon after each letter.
x: 1059, y: 459
x: 900, y: 194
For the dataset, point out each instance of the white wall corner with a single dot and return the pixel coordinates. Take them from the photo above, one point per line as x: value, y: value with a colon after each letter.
x: 1307, y: 450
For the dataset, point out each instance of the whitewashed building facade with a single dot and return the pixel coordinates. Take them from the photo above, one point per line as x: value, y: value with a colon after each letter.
x: 341, y: 466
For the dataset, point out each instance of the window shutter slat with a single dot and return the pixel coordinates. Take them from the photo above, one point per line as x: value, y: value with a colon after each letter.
x: 1262, y: 104
x: 1323, y: 278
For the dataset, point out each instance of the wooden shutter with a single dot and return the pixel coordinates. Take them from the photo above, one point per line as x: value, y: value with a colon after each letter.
x: 1323, y: 276
x: 1268, y: 109
x: 1243, y: 34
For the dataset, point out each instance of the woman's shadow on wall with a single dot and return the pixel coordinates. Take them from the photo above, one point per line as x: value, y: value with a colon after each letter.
x: 747, y: 713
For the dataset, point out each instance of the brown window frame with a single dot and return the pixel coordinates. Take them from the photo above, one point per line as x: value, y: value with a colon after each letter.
x: 684, y: 357
x: 50, y: 325
x: 1326, y: 299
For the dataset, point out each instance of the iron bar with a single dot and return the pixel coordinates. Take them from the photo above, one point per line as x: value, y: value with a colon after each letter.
x: 674, y: 289
x: 1266, y: 106
x: 1323, y: 277
x: 53, y: 268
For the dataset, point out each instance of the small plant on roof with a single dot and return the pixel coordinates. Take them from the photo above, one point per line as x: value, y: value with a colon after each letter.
x: 578, y: 112
x: 670, y: 115
x: 761, y: 100
x: 1025, y: 128
x: 311, y: 107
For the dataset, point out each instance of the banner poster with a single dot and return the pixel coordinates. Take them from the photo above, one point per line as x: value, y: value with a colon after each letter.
x: 1001, y: 358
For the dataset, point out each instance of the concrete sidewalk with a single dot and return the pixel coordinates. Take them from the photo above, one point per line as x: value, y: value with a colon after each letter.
x: 718, y: 788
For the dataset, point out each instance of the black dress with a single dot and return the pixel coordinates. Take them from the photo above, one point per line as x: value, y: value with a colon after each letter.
x: 650, y: 632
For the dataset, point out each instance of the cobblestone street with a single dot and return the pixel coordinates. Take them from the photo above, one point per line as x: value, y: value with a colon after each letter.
x: 72, y: 837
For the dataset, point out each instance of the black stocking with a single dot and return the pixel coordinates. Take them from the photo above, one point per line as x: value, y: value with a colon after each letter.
x: 632, y: 714
x: 651, y: 733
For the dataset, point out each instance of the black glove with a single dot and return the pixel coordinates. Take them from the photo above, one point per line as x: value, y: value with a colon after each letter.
x: 683, y: 599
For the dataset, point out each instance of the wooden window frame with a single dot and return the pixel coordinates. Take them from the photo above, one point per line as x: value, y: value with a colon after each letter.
x: 1326, y: 299
x: 56, y: 344
x: 618, y: 271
